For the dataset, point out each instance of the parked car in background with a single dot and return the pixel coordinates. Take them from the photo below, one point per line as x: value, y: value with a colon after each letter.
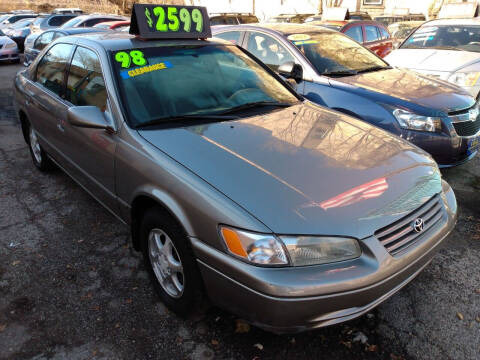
x: 49, y: 21
x: 358, y: 15
x: 91, y: 20
x: 289, y: 18
x: 317, y: 17
x: 391, y: 19
x: 232, y: 18
x: 8, y: 19
x: 42, y: 40
x: 447, y: 49
x: 332, y: 70
x: 401, y: 30
x: 8, y: 49
x: 67, y: 11
x: 19, y: 31
x: 113, y: 25
x: 371, y: 34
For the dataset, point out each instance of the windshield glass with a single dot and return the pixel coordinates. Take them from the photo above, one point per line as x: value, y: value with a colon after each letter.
x: 451, y: 37
x: 21, y: 24
x: 193, y: 80
x: 72, y: 22
x: 331, y: 53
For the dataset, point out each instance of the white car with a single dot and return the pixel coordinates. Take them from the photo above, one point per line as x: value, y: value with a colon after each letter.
x: 447, y: 49
x: 8, y: 49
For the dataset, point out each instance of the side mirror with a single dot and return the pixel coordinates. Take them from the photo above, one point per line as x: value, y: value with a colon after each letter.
x: 290, y: 70
x: 88, y: 117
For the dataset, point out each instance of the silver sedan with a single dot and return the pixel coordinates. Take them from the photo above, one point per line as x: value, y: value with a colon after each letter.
x: 235, y: 188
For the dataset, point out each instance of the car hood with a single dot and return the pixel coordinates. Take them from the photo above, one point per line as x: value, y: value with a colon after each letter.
x: 408, y: 86
x: 306, y: 169
x: 432, y: 59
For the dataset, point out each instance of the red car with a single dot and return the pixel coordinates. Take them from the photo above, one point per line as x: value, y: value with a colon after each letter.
x: 371, y: 34
x: 118, y: 25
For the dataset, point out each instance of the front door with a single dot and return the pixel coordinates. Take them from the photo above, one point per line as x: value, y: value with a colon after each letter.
x: 89, y: 152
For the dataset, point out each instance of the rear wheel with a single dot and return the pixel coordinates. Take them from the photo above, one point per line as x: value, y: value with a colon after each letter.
x: 170, y: 262
x: 39, y: 156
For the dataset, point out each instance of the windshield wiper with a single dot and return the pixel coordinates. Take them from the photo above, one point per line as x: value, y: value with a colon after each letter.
x: 373, y: 68
x: 340, y: 73
x: 255, y: 105
x: 166, y: 119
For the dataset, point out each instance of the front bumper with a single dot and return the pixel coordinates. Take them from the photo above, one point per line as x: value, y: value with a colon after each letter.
x: 447, y: 149
x: 9, y: 54
x: 293, y: 299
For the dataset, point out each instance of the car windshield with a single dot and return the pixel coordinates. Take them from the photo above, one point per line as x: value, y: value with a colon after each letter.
x: 72, y: 22
x: 449, y: 37
x: 336, y: 54
x: 21, y: 24
x: 196, y: 80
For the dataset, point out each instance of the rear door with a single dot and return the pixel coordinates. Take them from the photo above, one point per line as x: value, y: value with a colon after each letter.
x: 372, y: 38
x: 45, y: 96
x: 387, y: 43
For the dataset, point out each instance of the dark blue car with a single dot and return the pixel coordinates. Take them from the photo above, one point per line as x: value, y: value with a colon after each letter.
x: 331, y: 69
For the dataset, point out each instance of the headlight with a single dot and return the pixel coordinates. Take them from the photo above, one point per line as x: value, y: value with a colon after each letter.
x: 408, y: 120
x: 10, y: 45
x: 464, y: 78
x: 267, y: 249
x: 263, y: 249
x: 312, y: 250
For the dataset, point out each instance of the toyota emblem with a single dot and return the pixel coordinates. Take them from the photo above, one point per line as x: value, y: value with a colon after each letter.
x: 418, y: 225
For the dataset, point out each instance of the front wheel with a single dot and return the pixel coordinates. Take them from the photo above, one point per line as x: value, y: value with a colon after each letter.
x: 170, y: 262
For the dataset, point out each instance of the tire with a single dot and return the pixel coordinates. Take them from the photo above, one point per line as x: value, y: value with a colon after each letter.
x: 39, y: 156
x: 170, y: 262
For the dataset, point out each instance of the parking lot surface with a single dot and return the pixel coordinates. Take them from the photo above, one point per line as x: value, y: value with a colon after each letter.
x: 71, y: 286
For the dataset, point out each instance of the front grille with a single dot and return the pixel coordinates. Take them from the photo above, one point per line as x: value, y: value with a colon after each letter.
x: 401, y: 234
x: 467, y: 128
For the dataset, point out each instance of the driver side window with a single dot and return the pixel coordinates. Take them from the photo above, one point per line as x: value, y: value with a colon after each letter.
x: 268, y: 50
x: 85, y: 84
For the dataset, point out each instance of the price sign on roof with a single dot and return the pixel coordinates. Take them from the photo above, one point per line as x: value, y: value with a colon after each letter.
x: 170, y: 22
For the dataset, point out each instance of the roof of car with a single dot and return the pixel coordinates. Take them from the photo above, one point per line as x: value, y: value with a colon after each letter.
x: 282, y: 28
x: 474, y: 21
x: 114, y: 41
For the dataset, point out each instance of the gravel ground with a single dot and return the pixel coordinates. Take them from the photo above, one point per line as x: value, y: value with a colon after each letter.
x: 71, y: 287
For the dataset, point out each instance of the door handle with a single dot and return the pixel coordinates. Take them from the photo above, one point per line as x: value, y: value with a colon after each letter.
x: 60, y: 127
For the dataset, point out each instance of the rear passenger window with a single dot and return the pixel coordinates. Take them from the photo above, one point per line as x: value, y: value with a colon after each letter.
x: 51, y: 68
x: 355, y: 32
x: 85, y: 84
x: 232, y: 36
x: 371, y: 33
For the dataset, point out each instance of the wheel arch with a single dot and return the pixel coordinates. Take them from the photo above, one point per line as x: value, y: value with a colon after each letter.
x: 148, y: 198
x: 24, y: 122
